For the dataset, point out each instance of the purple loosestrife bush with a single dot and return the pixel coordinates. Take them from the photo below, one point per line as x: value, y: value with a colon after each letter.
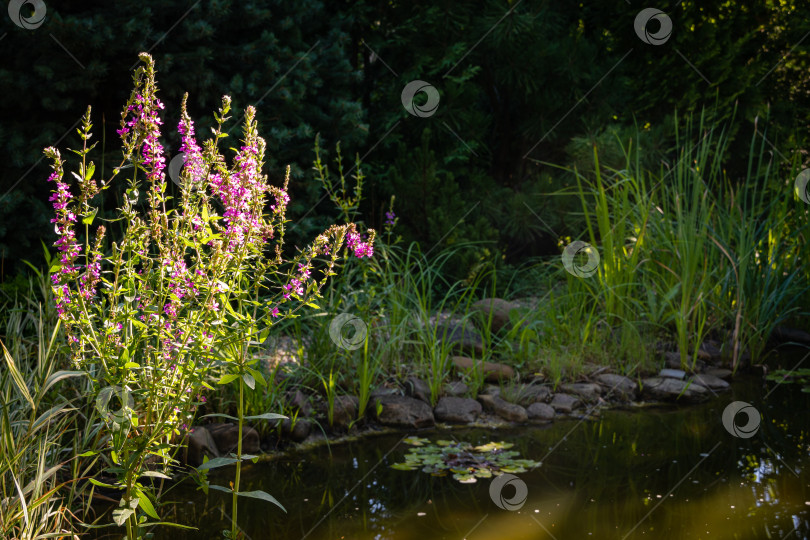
x: 194, y: 284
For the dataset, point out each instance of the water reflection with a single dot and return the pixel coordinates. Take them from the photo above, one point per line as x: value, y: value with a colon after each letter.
x: 657, y: 473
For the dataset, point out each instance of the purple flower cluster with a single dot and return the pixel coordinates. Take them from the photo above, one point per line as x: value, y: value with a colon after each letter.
x: 91, y: 276
x: 361, y: 247
x: 145, y: 120
x: 296, y: 284
x: 192, y: 154
x: 241, y: 193
x: 68, y: 248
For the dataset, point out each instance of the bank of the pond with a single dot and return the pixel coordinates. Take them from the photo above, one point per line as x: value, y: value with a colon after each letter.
x: 508, y: 398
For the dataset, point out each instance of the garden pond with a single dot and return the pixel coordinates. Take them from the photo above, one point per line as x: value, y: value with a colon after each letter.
x: 653, y: 472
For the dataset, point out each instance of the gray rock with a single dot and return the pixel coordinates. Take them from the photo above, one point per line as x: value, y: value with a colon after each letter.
x: 200, y: 443
x: 456, y: 389
x: 540, y: 412
x: 667, y: 389
x: 504, y: 409
x: 709, y: 351
x: 297, y: 431
x: 457, y: 410
x: 618, y: 386
x: 462, y: 338
x: 298, y: 400
x: 498, y: 308
x: 417, y: 388
x: 404, y: 411
x: 586, y: 391
x: 710, y: 381
x: 526, y: 394
x: 720, y: 373
x: 493, y: 372
x: 491, y: 389
x: 672, y: 360
x: 564, y: 403
x: 672, y: 374
x: 345, y: 411
x: 384, y: 391
x: 226, y: 437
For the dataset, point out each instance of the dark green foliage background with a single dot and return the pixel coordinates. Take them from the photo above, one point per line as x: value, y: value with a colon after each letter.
x: 521, y: 83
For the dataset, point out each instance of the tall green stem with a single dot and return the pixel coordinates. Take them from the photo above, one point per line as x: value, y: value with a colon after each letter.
x: 238, y: 458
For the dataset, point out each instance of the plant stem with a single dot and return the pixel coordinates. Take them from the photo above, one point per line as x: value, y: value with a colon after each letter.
x: 238, y: 458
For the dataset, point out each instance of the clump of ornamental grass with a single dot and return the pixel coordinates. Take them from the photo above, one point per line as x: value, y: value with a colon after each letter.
x: 188, y: 289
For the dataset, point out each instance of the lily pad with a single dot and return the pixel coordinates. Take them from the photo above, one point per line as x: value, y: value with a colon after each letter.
x: 465, y: 462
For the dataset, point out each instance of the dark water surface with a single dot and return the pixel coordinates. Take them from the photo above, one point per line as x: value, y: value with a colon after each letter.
x: 652, y: 473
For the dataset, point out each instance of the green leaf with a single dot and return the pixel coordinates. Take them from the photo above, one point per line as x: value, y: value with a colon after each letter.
x: 132, y: 365
x: 217, y: 462
x: 156, y: 474
x: 416, y: 441
x: 249, y: 380
x: 120, y: 515
x: 220, y: 415
x: 102, y: 484
x: 266, y: 416
x: 146, y: 504
x: 403, y: 467
x: 263, y: 495
x: 58, y: 376
x: 258, y: 376
x: 88, y: 453
x: 313, y: 305
x: 17, y: 377
x: 89, y: 217
x: 230, y: 377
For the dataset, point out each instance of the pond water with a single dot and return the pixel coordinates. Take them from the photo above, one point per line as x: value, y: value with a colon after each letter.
x: 652, y: 473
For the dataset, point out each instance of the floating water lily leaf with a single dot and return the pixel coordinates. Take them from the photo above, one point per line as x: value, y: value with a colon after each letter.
x: 465, y: 462
x: 489, y: 447
x: 465, y: 478
x: 416, y: 441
